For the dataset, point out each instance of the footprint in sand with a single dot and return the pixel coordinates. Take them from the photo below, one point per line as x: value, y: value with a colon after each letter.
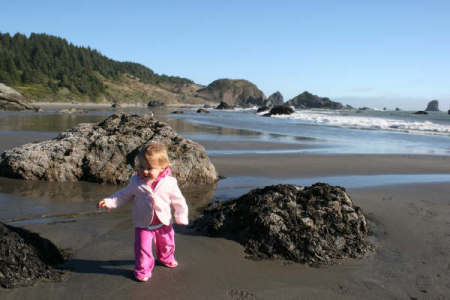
x: 238, y: 294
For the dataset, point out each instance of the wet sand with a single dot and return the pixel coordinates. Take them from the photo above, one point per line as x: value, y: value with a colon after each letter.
x: 411, y: 233
x: 297, y: 165
x: 411, y: 225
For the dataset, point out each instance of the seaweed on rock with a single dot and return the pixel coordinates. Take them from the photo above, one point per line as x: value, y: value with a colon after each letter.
x: 317, y: 224
x: 26, y: 257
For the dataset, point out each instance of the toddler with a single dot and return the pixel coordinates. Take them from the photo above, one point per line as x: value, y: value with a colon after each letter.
x: 153, y: 191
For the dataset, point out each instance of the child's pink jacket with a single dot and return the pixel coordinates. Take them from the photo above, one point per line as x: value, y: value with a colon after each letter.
x: 146, y: 201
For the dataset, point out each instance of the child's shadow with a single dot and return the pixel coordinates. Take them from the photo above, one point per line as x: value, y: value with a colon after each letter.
x: 111, y: 267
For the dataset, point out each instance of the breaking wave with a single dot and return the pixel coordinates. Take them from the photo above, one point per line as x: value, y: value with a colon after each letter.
x: 329, y: 118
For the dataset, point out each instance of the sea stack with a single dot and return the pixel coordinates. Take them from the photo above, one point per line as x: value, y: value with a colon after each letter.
x: 433, y: 105
x: 274, y: 99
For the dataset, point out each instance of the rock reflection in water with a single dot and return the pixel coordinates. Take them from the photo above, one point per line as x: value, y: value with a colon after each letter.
x: 29, y: 199
x: 45, y: 122
x: 198, y: 197
x: 56, y: 191
x: 182, y: 126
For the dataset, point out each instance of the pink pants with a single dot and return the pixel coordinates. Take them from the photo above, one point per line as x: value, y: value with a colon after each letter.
x: 165, y: 248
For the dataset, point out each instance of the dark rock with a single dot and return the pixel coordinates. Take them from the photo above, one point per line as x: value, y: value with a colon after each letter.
x: 308, y: 100
x: 25, y: 257
x: 105, y: 153
x: 156, y: 103
x: 202, y: 111
x: 280, y: 110
x: 12, y: 100
x: 234, y: 92
x: 262, y: 108
x: 317, y: 224
x: 433, y: 105
x: 116, y: 105
x: 178, y: 112
x: 421, y: 112
x: 224, y: 105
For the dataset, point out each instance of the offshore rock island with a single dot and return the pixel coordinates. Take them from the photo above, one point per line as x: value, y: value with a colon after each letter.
x: 307, y: 100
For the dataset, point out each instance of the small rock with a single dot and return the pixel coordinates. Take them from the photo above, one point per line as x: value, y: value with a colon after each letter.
x: 156, y: 103
x: 280, y: 110
x: 262, y: 108
x: 224, y: 105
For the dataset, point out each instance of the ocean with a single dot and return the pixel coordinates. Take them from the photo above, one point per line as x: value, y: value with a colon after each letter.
x: 307, y: 131
x: 331, y: 131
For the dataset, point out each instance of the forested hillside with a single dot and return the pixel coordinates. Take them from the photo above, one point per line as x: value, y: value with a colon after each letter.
x: 47, y: 67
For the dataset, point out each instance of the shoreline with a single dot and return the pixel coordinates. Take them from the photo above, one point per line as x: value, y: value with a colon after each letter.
x: 107, y: 105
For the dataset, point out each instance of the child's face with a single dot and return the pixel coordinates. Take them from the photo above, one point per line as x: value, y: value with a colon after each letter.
x: 148, y: 172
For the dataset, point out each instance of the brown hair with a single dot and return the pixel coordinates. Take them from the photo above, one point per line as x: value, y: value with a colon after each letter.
x: 155, y: 155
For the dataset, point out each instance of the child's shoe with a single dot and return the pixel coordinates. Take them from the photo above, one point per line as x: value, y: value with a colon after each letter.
x: 144, y: 279
x: 172, y: 264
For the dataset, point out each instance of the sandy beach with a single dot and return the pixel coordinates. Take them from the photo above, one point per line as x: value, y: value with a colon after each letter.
x: 410, y: 224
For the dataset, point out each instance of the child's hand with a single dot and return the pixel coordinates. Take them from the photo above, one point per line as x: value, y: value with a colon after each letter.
x: 102, y: 204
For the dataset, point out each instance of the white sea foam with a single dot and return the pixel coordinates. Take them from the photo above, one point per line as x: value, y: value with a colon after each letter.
x: 330, y: 118
x: 245, y: 108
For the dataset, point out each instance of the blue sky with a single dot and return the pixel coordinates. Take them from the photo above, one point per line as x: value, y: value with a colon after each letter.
x: 362, y: 53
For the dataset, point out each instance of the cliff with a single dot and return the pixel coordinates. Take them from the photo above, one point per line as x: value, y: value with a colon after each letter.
x: 12, y: 100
